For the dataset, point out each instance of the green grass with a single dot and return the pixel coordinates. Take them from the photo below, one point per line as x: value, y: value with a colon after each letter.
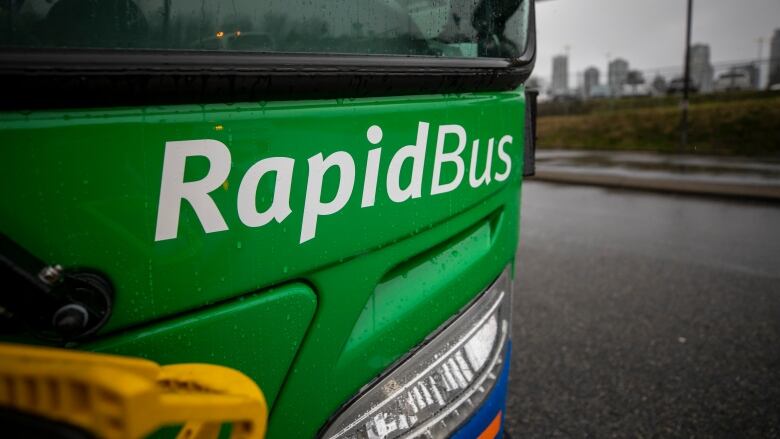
x: 551, y: 108
x: 747, y: 126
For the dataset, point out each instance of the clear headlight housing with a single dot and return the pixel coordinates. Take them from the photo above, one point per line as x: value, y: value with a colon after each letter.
x: 433, y: 391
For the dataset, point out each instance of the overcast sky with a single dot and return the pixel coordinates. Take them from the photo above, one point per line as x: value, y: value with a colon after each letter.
x: 649, y: 34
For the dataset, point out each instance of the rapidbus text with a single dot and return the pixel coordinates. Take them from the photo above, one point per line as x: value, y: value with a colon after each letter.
x: 174, y: 189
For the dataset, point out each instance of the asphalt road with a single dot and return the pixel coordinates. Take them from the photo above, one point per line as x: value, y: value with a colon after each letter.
x: 645, y: 315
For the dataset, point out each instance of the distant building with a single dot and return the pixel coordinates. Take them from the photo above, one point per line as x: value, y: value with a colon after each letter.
x: 560, y: 75
x: 701, y: 69
x: 591, y: 80
x: 617, y: 76
x: 600, y: 91
x: 774, y: 59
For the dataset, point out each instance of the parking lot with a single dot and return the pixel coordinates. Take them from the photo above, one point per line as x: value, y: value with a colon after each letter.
x: 645, y: 315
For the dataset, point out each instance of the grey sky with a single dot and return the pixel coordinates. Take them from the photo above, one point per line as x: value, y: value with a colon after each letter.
x: 649, y: 33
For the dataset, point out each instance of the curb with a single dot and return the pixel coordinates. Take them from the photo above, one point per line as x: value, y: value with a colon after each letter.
x: 711, y: 188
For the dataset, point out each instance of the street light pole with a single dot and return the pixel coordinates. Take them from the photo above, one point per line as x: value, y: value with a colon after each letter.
x: 686, y: 82
x: 759, y: 63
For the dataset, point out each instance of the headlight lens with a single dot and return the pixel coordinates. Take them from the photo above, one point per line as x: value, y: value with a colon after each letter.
x: 434, y: 391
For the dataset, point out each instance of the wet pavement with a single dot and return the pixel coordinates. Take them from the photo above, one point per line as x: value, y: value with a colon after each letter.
x: 645, y: 315
x: 735, y: 176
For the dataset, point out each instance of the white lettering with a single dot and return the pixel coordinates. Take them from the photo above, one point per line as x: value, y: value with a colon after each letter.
x: 313, y: 206
x: 374, y: 135
x: 453, y: 157
x: 372, y: 172
x: 415, y: 152
x: 504, y: 158
x: 247, y: 192
x: 174, y: 189
x: 485, y: 178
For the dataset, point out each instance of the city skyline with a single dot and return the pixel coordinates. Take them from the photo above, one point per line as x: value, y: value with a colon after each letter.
x: 622, y: 80
x: 650, y: 35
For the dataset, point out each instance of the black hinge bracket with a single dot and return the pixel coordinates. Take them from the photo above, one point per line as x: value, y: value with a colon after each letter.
x: 47, y: 300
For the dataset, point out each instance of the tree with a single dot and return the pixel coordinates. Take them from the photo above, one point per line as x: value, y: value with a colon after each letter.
x: 634, y: 78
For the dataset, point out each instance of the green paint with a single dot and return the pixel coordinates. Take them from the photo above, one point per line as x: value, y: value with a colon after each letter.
x: 82, y: 189
x: 258, y: 334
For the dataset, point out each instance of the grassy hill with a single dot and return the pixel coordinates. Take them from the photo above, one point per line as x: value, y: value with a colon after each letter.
x: 741, y: 124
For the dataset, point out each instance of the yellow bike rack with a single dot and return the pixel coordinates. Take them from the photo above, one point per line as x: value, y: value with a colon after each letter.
x: 120, y: 397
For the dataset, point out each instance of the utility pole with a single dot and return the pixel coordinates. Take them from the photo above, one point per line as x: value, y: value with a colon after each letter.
x: 566, y: 50
x: 607, y: 77
x: 760, y: 61
x: 686, y: 82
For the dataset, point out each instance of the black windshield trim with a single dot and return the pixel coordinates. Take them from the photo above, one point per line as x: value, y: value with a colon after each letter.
x: 86, y: 61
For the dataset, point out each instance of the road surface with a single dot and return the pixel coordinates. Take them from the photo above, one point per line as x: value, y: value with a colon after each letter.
x: 645, y: 315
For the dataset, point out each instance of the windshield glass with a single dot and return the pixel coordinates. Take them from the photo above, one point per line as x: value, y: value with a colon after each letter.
x: 446, y: 28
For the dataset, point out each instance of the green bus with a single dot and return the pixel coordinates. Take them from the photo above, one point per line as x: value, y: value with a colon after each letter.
x: 322, y: 195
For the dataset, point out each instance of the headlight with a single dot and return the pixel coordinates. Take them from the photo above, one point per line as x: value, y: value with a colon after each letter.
x: 434, y: 391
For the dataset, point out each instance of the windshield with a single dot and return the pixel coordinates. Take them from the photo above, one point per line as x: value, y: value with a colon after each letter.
x: 444, y: 28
